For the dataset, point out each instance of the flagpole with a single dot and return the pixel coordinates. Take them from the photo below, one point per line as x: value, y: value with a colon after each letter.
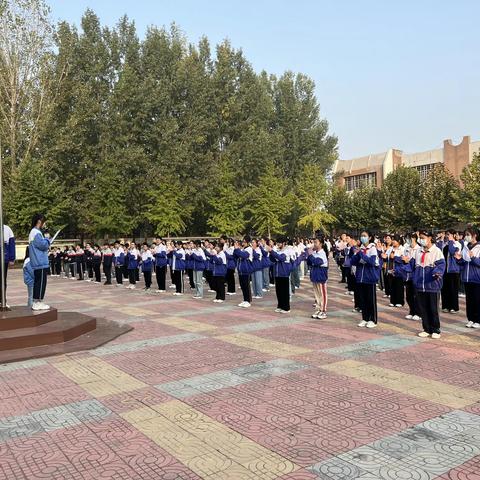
x: 2, y: 239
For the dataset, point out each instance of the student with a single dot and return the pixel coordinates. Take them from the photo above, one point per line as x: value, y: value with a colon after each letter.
x: 347, y: 266
x: 231, y: 265
x: 89, y: 252
x: 199, y: 259
x: 147, y: 266
x: 257, y: 270
x: 469, y: 261
x: 451, y: 279
x: 243, y: 254
x: 39, y: 244
x: 72, y: 262
x: 189, y: 263
x: 282, y: 267
x: 219, y: 271
x: 28, y: 277
x: 9, y: 259
x: 428, y: 267
x: 177, y: 254
x: 132, y: 265
x: 107, y: 263
x: 161, y: 262
x: 367, y: 273
x: 397, y: 274
x: 266, y: 264
x: 208, y: 272
x: 118, y: 261
x: 318, y: 263
x: 409, y: 252
x: 96, y: 262
x: 387, y: 265
x: 51, y: 257
x: 79, y: 260
x: 340, y: 245
x: 58, y: 262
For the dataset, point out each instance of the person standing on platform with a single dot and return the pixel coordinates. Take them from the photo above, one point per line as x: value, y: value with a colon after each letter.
x: 9, y: 260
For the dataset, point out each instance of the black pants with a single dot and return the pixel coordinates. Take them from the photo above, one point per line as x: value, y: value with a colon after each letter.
x: 125, y: 272
x: 282, y: 290
x: 230, y: 280
x: 451, y: 282
x: 161, y: 273
x: 119, y: 274
x: 368, y: 300
x: 428, y: 305
x: 58, y: 267
x: 80, y: 270
x: 96, y: 271
x: 271, y: 275
x: 397, y: 293
x: 107, y: 270
x: 357, y: 296
x: 387, y: 282
x: 350, y: 280
x: 147, y: 276
x: 177, y: 277
x: 245, y: 286
x: 137, y: 274
x: 344, y: 274
x: 472, y: 293
x: 90, y: 269
x: 4, y: 276
x: 219, y: 283
x: 411, y: 295
x: 39, y: 284
x: 131, y: 276
x: 190, y: 278
x: 208, y: 277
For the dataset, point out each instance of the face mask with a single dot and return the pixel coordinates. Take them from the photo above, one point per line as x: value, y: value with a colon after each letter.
x: 422, y: 242
x: 364, y: 240
x: 468, y: 238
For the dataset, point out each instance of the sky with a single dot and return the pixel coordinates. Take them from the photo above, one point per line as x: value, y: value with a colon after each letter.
x: 388, y: 74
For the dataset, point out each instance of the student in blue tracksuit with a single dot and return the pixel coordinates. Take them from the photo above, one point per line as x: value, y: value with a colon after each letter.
x: 266, y: 264
x: 219, y: 271
x: 147, y: 266
x: 28, y: 277
x: 451, y: 279
x: 118, y: 261
x: 132, y: 265
x: 107, y: 260
x: 367, y: 273
x: 398, y: 275
x: 410, y: 294
x: 282, y: 267
x: 318, y: 263
x: 243, y: 256
x: 177, y: 254
x: 199, y: 260
x: 161, y: 262
x: 231, y: 265
x: 39, y: 244
x: 189, y: 264
x: 9, y: 260
x: 469, y: 261
x: 257, y: 270
x: 428, y: 267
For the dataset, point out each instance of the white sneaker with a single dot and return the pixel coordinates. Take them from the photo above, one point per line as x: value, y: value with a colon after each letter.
x: 476, y: 325
x: 371, y: 324
x: 398, y: 305
x: 278, y: 310
x: 423, y: 334
x: 323, y: 315
x: 161, y: 291
x: 363, y: 323
x: 469, y: 324
x: 265, y: 290
x: 214, y: 300
x: 284, y: 311
x: 315, y: 315
x: 172, y: 286
x: 271, y: 285
x: 461, y: 295
x: 409, y: 317
x: 44, y: 306
x: 256, y: 297
x: 416, y: 318
x: 354, y: 310
x: 246, y: 304
x: 391, y: 305
x: 351, y: 293
x: 436, y: 335
x: 211, y: 291
x: 36, y: 306
x: 198, y: 296
x: 445, y: 310
x: 178, y: 294
x: 132, y: 287
x: 220, y: 301
x: 453, y: 312
x: 386, y: 296
x: 231, y: 293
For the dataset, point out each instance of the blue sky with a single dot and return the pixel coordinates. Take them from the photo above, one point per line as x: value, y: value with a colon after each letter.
x: 403, y: 74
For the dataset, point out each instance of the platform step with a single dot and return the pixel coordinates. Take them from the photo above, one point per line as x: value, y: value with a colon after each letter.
x: 25, y: 317
x: 67, y: 326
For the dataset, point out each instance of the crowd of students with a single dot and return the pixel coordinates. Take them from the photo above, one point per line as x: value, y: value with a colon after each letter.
x: 417, y: 268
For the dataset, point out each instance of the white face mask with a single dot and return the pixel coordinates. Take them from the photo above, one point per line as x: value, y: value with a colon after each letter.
x: 422, y: 242
x: 468, y: 238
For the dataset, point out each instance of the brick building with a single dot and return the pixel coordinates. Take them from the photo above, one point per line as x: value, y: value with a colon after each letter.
x: 372, y: 169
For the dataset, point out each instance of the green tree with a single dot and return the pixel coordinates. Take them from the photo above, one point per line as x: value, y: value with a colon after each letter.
x: 399, y: 200
x: 167, y: 207
x: 365, y: 209
x: 311, y: 194
x: 339, y: 204
x: 270, y: 202
x: 440, y: 199
x: 470, y: 199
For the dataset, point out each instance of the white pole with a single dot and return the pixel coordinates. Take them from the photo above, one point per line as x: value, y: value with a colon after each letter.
x: 2, y: 239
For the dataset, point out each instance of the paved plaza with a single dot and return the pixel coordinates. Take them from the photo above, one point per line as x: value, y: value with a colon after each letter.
x: 199, y: 390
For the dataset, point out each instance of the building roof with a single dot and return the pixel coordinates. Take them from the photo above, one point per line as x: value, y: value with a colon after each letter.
x: 348, y: 166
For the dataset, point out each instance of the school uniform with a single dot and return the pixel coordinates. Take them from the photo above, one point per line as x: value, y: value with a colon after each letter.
x: 243, y: 258
x: 79, y: 260
x: 178, y: 266
x: 428, y: 267
x: 96, y: 262
x: 51, y: 268
x: 347, y: 265
x: 147, y: 267
x: 161, y: 262
x: 189, y: 267
x: 58, y: 263
x: 28, y: 279
x: 9, y: 245
x: 132, y: 266
x: 397, y: 290
x: 367, y: 273
x: 451, y: 279
x: 219, y: 271
x: 107, y: 265
x: 282, y: 268
x: 231, y: 265
x: 199, y: 259
x: 72, y: 263
x: 38, y: 250
x: 410, y: 294
x: 318, y: 263
x: 119, y: 262
x: 89, y: 252
x: 208, y: 269
x: 257, y: 272
x: 266, y: 264
x: 470, y: 274
x: 386, y: 269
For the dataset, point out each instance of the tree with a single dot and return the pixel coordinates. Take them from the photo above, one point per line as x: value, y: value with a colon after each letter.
x: 311, y: 189
x: 440, y: 199
x: 226, y: 207
x: 168, y: 209
x: 399, y: 200
x: 365, y: 209
x: 270, y: 202
x: 339, y: 204
x: 470, y: 201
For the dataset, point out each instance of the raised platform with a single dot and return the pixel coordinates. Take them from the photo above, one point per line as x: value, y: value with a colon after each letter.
x: 25, y: 334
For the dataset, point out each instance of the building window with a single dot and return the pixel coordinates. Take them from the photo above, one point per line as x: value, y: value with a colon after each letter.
x: 424, y: 170
x: 359, y: 181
